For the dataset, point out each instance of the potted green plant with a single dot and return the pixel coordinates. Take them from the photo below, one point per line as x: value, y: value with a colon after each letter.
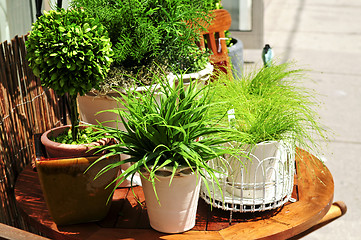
x: 71, y: 53
x: 148, y: 37
x: 169, y: 143
x: 148, y: 33
x: 273, y: 115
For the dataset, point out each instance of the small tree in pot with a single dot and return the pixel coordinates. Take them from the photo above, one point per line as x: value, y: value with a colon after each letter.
x: 71, y: 53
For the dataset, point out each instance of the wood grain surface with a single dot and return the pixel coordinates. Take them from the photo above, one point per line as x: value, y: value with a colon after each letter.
x: 128, y: 218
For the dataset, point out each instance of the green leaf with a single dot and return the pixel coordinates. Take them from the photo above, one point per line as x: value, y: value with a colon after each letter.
x: 54, y: 76
x: 73, y: 67
x: 36, y: 71
x: 86, y: 28
x: 62, y: 82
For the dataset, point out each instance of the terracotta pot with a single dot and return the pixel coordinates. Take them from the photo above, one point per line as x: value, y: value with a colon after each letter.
x: 177, y: 207
x: 73, y: 196
x: 58, y: 150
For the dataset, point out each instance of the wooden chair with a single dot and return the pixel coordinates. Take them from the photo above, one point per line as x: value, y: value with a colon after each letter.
x: 214, y: 38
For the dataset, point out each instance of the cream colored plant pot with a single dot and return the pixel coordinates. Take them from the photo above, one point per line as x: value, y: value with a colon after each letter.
x: 202, y: 75
x: 90, y: 107
x: 177, y: 207
x: 255, y: 175
x: 92, y: 104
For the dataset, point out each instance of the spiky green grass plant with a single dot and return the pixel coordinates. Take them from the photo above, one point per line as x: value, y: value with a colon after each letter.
x: 269, y: 104
x: 174, y: 131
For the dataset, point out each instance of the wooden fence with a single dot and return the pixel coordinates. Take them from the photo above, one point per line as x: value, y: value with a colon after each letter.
x: 25, y: 109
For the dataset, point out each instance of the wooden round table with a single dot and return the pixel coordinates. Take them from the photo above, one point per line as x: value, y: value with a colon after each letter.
x: 127, y: 219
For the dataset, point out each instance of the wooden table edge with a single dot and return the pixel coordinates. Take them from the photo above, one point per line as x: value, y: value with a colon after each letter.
x: 222, y: 234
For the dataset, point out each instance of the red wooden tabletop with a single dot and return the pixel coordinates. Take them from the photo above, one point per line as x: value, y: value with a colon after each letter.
x: 127, y: 219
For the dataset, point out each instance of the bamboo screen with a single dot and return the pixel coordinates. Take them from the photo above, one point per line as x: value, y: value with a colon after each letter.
x: 25, y: 109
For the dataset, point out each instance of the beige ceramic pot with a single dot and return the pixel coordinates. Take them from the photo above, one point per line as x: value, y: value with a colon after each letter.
x: 93, y: 106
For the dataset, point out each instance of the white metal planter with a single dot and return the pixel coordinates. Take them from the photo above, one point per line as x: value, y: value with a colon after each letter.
x: 260, y: 179
x: 177, y: 207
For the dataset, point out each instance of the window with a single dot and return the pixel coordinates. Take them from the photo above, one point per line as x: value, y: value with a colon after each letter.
x: 247, y: 21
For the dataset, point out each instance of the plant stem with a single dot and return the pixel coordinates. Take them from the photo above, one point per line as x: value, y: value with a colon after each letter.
x: 74, y: 116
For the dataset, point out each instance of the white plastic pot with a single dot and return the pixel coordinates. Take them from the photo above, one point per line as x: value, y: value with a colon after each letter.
x: 177, y: 207
x: 202, y: 75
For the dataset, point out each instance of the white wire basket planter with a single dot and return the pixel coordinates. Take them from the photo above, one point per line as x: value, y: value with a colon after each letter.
x: 263, y: 180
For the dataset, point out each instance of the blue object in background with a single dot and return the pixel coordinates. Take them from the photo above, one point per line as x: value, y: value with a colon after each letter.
x: 267, y: 55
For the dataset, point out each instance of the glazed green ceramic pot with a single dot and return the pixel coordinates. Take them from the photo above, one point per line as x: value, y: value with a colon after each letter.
x: 71, y: 194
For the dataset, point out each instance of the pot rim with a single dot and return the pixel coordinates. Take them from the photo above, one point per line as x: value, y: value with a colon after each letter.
x: 166, y: 171
x: 45, y: 138
x: 203, y: 75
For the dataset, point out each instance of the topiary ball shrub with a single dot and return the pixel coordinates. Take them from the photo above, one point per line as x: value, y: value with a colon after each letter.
x: 69, y: 50
x: 71, y: 53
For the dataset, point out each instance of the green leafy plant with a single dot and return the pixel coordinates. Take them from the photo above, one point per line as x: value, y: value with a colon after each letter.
x: 152, y: 32
x: 71, y: 53
x: 269, y: 104
x: 173, y: 131
x: 85, y: 136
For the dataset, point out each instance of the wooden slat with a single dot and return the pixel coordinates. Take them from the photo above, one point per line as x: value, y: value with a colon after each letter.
x: 24, y: 110
x: 215, y: 31
x: 11, y: 233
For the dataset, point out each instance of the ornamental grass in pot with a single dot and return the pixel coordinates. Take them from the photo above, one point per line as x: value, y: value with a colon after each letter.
x: 70, y: 52
x: 273, y: 115
x: 169, y: 144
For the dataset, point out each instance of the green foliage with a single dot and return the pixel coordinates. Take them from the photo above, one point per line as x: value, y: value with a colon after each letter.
x: 144, y: 31
x: 69, y: 50
x: 86, y: 135
x: 173, y: 131
x: 269, y: 104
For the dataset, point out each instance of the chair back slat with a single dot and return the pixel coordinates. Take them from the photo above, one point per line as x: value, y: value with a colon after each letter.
x: 215, y: 38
